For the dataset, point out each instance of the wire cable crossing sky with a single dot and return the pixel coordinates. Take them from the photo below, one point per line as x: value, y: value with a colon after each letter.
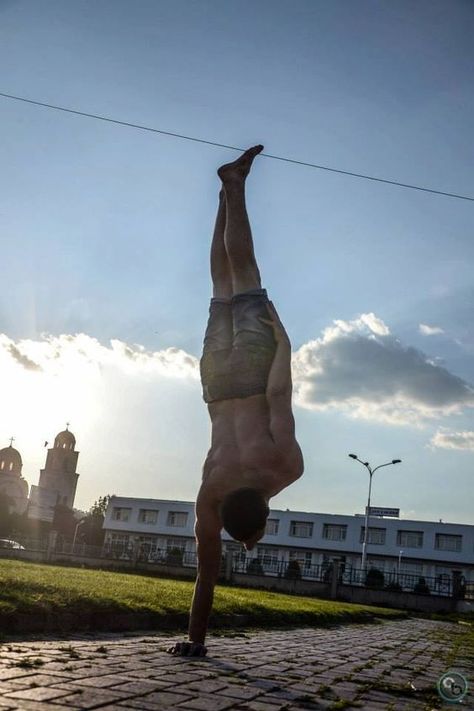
x: 234, y: 148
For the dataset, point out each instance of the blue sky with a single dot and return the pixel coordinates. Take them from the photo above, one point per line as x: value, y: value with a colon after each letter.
x: 106, y: 233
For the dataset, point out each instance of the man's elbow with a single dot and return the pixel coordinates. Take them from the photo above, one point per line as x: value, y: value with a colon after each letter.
x: 278, y: 393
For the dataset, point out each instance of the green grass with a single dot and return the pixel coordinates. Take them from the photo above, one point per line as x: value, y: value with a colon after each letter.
x: 53, y: 591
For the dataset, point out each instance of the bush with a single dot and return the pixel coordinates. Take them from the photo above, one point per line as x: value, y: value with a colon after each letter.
x: 374, y: 578
x: 421, y: 587
x: 174, y: 556
x: 327, y: 572
x: 254, y: 567
x: 293, y: 570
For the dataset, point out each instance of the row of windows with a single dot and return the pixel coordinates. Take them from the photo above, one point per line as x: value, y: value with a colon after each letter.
x: 304, y: 529
x: 413, y: 539
x: 150, y: 516
x: 338, y: 532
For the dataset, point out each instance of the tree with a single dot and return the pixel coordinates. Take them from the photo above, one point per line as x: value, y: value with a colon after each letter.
x: 255, y: 567
x: 64, y: 521
x: 421, y: 587
x: 91, y: 531
x: 5, y: 515
x: 293, y: 570
x: 99, y: 507
x: 174, y: 556
x: 374, y: 578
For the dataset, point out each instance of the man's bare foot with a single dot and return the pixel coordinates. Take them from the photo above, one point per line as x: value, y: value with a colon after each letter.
x: 240, y: 168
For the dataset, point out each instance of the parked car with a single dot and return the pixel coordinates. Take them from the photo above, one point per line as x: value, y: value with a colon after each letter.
x: 8, y: 543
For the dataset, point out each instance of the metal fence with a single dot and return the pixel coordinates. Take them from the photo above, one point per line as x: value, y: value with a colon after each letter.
x: 291, y: 570
x: 348, y: 575
x: 147, y: 553
x: 469, y: 592
x: 398, y: 582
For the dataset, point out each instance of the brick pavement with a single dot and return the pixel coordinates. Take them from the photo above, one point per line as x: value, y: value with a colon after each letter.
x: 392, y: 665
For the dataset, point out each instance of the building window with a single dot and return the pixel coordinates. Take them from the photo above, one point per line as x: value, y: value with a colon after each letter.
x: 410, y: 539
x: 448, y: 542
x: 376, y: 535
x: 11, y: 466
x: 334, y: 532
x: 148, y: 516
x: 2, y: 465
x: 414, y: 569
x: 267, y: 556
x: 177, y: 518
x: 119, y: 513
x: 271, y: 529
x: 301, y: 529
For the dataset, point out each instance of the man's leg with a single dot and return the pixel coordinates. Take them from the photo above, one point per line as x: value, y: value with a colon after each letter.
x: 238, y: 235
x: 220, y: 267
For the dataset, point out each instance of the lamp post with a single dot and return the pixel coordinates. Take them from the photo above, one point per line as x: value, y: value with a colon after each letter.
x: 79, y: 523
x: 399, y: 564
x: 371, y: 473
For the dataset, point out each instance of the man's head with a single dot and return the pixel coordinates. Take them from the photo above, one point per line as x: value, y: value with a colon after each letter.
x: 244, y: 515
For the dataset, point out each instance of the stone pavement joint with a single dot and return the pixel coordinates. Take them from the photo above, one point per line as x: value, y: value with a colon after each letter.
x: 391, y: 665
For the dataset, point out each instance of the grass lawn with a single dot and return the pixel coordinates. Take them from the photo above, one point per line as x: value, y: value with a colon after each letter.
x: 50, y: 592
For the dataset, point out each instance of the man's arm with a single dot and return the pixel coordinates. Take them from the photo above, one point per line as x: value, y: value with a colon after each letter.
x: 279, y: 386
x: 209, y: 549
x: 208, y: 541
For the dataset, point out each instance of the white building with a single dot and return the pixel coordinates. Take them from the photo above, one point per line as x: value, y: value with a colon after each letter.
x: 418, y: 548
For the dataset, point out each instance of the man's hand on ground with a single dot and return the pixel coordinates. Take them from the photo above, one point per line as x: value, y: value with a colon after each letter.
x: 187, y: 649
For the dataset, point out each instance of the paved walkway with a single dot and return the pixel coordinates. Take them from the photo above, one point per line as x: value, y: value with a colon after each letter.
x: 391, y: 665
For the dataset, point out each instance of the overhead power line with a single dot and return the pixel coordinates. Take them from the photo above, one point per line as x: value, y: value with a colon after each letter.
x: 140, y: 127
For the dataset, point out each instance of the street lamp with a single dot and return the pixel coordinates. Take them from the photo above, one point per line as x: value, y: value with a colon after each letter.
x: 399, y: 564
x: 79, y: 523
x: 371, y: 473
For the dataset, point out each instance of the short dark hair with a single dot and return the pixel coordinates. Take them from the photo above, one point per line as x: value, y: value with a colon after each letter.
x: 244, y: 512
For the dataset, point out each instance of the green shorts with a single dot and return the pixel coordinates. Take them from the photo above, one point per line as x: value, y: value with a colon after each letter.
x: 238, y: 348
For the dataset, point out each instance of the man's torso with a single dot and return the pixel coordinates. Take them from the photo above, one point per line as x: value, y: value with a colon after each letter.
x: 243, y: 452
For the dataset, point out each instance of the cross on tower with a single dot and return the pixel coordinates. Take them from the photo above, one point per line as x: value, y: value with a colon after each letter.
x: 67, y: 426
x: 12, y: 439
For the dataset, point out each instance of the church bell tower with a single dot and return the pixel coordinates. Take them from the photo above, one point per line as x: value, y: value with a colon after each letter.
x: 59, y: 473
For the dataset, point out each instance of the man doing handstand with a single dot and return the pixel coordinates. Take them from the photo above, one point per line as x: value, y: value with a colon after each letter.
x: 246, y: 379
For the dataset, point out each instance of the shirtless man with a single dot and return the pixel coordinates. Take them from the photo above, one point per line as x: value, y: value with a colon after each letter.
x: 246, y: 378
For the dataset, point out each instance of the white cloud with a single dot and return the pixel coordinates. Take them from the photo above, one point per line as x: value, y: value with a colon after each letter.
x: 54, y: 355
x: 356, y: 367
x: 125, y: 405
x: 47, y: 381
x: 359, y: 368
x: 448, y: 439
x: 429, y: 330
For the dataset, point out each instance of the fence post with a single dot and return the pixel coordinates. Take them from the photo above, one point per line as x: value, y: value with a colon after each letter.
x: 334, y: 578
x: 135, y: 550
x: 52, y: 538
x: 458, y: 588
x: 229, y: 556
